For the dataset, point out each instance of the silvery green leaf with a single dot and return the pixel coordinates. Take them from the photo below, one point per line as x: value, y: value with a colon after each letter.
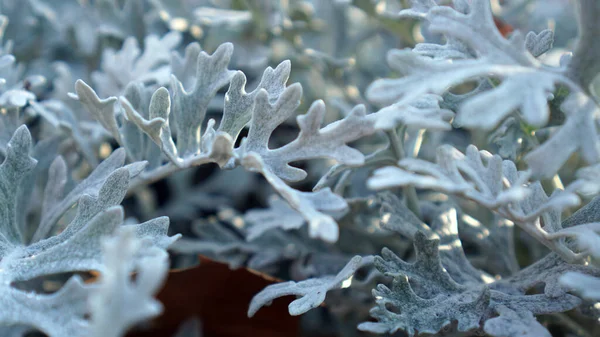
x: 585, y: 285
x: 189, y: 107
x: 121, y: 19
x: 219, y: 243
x: 477, y: 175
x: 30, y: 199
x: 511, y: 139
x: 548, y: 271
x: 585, y: 237
x: 590, y: 178
x: 477, y: 29
x: 453, y: 49
x: 312, y: 291
x: 138, y: 145
x: 397, y: 218
x: 418, y: 9
x: 85, y: 23
x: 586, y: 214
x: 538, y: 44
x: 156, y: 123
x: 91, y: 187
x: 6, y: 47
x: 515, y: 314
x: 273, y: 105
x: 6, y: 60
x: 312, y: 142
x: 60, y: 115
x: 278, y: 215
x: 423, y: 113
x: 425, y: 298
x: 11, y: 74
x: 15, y: 167
x: 525, y: 84
x: 268, y: 106
x: 101, y: 109
x: 426, y: 274
x: 339, y: 176
x: 267, y: 116
x: 118, y: 302
x: 13, y: 98
x: 16, y: 98
x: 559, y: 275
x: 227, y: 244
x: 320, y: 225
x: 514, y: 323
x: 281, y: 215
x: 210, y: 16
x: 58, y: 314
x: 424, y: 75
x: 57, y: 179
x: 481, y: 177
x: 129, y: 64
x: 412, y: 313
x: 8, y: 125
x: 78, y: 247
x: 15, y: 330
x: 217, y: 145
x: 527, y: 93
x: 581, y: 112
x: 188, y: 111
x: 75, y: 248
x: 495, y: 184
x: 239, y: 105
x: 185, y: 67
x: 538, y: 203
x: 440, y: 299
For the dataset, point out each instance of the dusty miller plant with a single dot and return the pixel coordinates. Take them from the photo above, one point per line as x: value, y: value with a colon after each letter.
x: 408, y: 168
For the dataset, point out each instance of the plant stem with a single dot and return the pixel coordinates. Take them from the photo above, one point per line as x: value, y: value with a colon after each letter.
x: 161, y: 172
x: 410, y: 193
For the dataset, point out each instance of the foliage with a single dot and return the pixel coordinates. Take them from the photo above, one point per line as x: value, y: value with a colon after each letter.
x: 413, y: 167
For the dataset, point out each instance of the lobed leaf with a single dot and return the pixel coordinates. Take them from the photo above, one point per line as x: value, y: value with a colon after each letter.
x: 118, y: 302
x: 312, y: 291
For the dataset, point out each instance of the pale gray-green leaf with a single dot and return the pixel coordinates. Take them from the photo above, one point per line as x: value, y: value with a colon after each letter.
x: 312, y: 291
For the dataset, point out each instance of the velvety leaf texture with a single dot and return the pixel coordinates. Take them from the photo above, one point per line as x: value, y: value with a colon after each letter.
x: 402, y: 168
x: 76, y: 248
x: 119, y: 302
x: 424, y: 299
x: 438, y: 302
x: 497, y: 185
x: 525, y: 83
x: 264, y: 109
x: 312, y: 291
